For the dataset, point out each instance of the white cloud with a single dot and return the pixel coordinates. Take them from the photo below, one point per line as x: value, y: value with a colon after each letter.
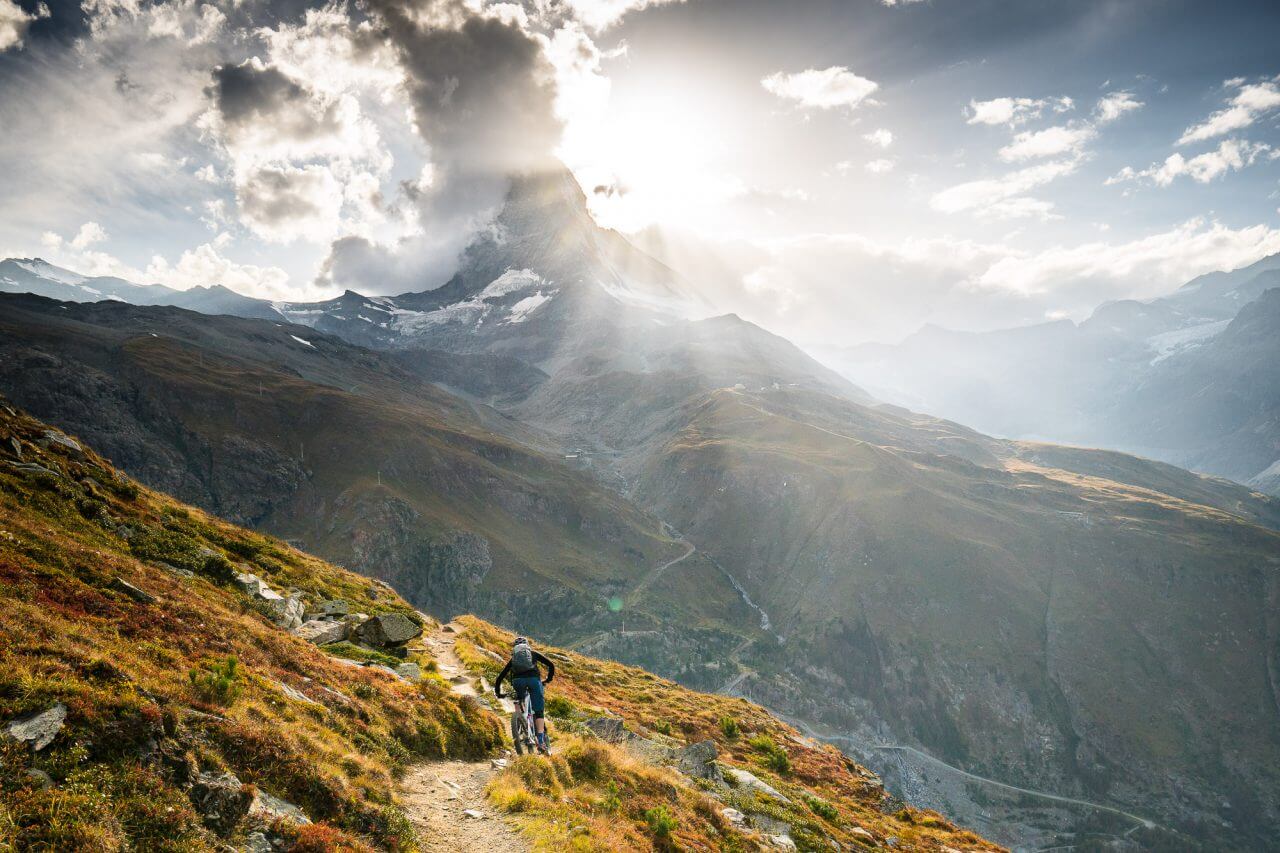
x: 1014, y: 111
x: 602, y: 14
x: 205, y: 265
x: 879, y: 136
x: 1115, y: 104
x: 1140, y: 268
x: 823, y: 89
x: 1050, y: 142
x: 1002, y: 197
x: 879, y: 167
x: 14, y: 22
x: 1248, y: 104
x: 89, y: 233
x: 1231, y: 155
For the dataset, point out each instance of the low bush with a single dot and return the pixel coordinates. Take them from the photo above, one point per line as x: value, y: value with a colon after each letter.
x: 218, y: 682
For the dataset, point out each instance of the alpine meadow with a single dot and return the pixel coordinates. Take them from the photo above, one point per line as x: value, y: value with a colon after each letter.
x: 626, y: 425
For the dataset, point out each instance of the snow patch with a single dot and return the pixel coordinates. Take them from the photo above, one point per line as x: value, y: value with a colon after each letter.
x: 52, y: 273
x: 303, y: 341
x: 522, y: 309
x: 1167, y: 344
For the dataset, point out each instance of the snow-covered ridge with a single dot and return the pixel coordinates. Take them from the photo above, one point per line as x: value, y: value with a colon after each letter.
x: 1168, y: 344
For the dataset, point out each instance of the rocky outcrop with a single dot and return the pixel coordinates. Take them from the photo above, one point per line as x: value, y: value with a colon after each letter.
x: 286, y: 610
x: 699, y: 761
x: 38, y: 730
x: 221, y: 801
x: 388, y: 630
x: 321, y: 631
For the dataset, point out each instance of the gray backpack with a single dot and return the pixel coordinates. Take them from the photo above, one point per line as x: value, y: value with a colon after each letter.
x: 521, y: 658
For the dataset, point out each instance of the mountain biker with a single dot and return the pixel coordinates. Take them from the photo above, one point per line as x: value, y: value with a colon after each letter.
x: 525, y: 678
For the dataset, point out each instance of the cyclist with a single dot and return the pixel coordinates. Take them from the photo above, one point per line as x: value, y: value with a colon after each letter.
x: 525, y: 678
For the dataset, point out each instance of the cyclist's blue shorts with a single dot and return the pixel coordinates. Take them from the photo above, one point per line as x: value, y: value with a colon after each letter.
x: 532, y: 685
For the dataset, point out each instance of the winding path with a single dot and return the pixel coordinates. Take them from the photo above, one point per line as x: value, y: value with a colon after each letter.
x: 445, y: 800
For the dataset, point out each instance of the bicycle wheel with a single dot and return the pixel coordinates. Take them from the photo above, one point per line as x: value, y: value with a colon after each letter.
x: 518, y: 736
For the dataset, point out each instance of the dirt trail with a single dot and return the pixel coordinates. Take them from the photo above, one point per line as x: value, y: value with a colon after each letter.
x: 445, y: 800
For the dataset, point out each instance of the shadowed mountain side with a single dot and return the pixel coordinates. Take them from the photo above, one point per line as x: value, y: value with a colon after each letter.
x: 411, y: 487
x: 1059, y: 631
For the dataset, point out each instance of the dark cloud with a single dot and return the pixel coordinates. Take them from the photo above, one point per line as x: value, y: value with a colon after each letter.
x: 252, y: 93
x: 483, y: 96
x: 481, y: 88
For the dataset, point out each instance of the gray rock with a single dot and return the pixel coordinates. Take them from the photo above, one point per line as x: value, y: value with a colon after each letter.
x: 409, y: 672
x: 699, y: 760
x: 122, y: 585
x: 321, y: 631
x: 182, y: 573
x: 388, y: 629
x: 256, y: 842
x: 268, y: 809
x: 39, y: 778
x: 294, y: 693
x: 221, y: 801
x: 33, y: 468
x: 16, y: 446
x: 251, y: 584
x: 69, y: 444
x: 747, y: 779
x: 608, y: 729
x: 734, y: 816
x: 39, y: 729
x: 336, y: 607
x: 782, y: 842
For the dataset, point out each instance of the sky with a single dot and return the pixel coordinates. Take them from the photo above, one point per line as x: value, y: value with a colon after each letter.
x: 837, y: 171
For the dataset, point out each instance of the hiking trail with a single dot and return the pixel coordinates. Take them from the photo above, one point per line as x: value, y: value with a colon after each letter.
x: 445, y: 800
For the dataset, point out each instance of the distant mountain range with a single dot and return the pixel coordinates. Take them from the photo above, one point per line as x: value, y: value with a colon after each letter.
x: 547, y: 440
x: 1192, y: 378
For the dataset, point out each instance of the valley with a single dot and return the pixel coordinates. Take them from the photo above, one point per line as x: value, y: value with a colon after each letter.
x: 545, y: 442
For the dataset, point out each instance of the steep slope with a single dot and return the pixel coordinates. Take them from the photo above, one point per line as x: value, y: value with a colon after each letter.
x: 1106, y: 637
x: 1215, y: 408
x: 111, y: 595
x: 149, y: 702
x: 341, y: 450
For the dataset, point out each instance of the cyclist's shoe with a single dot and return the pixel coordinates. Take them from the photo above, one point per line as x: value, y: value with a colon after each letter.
x: 544, y: 746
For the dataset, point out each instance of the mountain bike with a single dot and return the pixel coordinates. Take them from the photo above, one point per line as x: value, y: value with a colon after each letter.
x: 523, y: 733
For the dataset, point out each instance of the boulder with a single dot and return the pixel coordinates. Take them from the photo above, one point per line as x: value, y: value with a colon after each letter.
x: 698, y: 760
x: 336, y: 607
x: 734, y: 816
x: 38, y: 730
x: 747, y: 779
x: 251, y: 584
x: 321, y: 631
x: 387, y: 629
x: 256, y: 842
x: 409, y: 672
x: 221, y: 801
x: 267, y: 809
x: 608, y: 729
x: 782, y: 842
x: 121, y: 585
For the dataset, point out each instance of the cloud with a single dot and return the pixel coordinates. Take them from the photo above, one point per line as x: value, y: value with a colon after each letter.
x: 1014, y: 111
x: 14, y: 22
x: 89, y: 233
x: 1115, y: 104
x: 1249, y: 103
x: 1002, y: 197
x: 284, y: 203
x: 1231, y: 155
x: 880, y: 136
x: 879, y: 167
x: 824, y: 89
x: 1141, y: 268
x: 1050, y: 142
x: 602, y: 14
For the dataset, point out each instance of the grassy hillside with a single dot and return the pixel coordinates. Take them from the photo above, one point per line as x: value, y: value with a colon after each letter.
x: 603, y: 797
x: 118, y: 605
x: 293, y: 722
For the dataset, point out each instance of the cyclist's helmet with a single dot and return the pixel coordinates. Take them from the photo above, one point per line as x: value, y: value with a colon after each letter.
x: 520, y: 640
